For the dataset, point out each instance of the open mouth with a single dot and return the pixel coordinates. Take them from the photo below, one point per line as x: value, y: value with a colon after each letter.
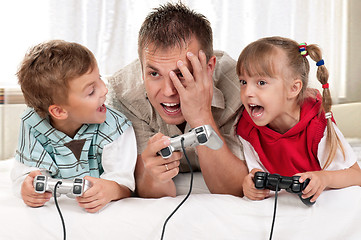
x: 171, y: 108
x: 256, y: 110
x: 102, y: 109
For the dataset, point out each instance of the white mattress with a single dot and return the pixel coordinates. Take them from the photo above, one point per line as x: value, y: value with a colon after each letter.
x: 336, y: 215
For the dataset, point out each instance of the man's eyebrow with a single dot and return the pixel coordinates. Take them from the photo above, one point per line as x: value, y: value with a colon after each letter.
x: 176, y: 70
x: 152, y: 67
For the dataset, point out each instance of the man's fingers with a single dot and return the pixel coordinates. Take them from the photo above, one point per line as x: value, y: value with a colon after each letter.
x: 156, y: 143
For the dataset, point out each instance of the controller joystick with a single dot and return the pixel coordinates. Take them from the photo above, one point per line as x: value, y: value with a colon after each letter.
x: 264, y: 180
x: 203, y: 135
x: 72, y: 188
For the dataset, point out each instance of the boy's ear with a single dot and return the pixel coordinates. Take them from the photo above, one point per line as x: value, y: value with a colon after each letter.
x: 58, y: 112
x: 295, y: 88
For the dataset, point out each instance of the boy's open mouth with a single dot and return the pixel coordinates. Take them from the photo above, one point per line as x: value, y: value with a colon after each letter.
x: 102, y: 108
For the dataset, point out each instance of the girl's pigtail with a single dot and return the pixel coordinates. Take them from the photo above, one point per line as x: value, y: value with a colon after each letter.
x: 332, y: 140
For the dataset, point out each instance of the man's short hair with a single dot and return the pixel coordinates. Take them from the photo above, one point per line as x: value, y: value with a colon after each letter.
x: 173, y: 25
x: 46, y: 70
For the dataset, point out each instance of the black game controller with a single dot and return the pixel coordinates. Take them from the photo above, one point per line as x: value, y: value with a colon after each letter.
x: 72, y: 188
x: 203, y: 135
x: 264, y: 180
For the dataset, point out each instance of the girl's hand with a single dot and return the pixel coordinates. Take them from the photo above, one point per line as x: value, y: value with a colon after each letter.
x: 250, y: 191
x: 318, y: 183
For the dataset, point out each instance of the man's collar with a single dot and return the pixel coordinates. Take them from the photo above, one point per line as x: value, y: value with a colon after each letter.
x: 218, y: 98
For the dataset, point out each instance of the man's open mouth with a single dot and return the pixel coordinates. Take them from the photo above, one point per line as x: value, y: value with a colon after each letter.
x: 171, y: 107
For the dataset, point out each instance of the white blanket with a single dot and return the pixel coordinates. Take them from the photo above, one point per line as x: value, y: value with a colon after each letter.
x: 336, y: 215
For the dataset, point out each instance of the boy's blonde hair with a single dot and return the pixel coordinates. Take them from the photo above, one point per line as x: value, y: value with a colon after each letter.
x: 46, y: 70
x: 258, y: 58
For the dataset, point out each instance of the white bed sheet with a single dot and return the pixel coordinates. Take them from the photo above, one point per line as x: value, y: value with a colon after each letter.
x: 336, y: 215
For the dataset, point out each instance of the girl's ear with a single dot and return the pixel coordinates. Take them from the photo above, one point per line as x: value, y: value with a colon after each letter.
x: 58, y: 112
x: 295, y: 88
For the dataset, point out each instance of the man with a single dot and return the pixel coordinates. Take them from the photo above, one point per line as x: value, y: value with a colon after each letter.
x: 171, y: 90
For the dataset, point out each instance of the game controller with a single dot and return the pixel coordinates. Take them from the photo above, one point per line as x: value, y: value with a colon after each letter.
x: 72, y: 188
x: 264, y: 180
x: 203, y: 135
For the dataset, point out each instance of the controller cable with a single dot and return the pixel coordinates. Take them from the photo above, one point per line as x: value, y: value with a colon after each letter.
x: 57, y: 207
x: 274, y: 209
x: 189, y: 191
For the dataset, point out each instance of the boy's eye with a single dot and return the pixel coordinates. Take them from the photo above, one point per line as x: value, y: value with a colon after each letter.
x: 92, y: 91
x: 243, y: 82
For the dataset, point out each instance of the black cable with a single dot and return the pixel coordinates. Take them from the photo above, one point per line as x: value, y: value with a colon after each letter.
x: 57, y: 207
x: 274, y: 210
x: 189, y: 192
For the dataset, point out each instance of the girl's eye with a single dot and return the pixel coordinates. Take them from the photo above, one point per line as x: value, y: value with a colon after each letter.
x: 243, y: 82
x: 261, y: 83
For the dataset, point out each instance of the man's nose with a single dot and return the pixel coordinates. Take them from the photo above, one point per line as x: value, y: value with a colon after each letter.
x: 168, y: 87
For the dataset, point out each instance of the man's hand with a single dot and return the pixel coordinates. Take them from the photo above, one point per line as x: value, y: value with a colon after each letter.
x: 161, y: 169
x: 30, y: 197
x: 153, y: 173
x: 196, y: 90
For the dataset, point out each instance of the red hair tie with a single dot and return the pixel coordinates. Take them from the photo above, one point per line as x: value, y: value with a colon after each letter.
x: 325, y: 85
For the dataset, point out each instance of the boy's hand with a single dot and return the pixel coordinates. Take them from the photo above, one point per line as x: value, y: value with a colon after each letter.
x: 100, y: 193
x: 316, y: 185
x: 30, y: 197
x: 250, y: 191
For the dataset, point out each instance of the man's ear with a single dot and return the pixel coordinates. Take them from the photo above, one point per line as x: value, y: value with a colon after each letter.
x: 211, y: 65
x: 295, y: 88
x: 58, y: 112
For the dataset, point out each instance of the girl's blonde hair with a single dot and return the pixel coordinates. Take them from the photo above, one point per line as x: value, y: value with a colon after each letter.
x: 258, y: 59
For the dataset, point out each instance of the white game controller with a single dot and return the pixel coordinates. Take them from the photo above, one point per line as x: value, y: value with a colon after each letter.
x: 72, y: 188
x: 203, y: 135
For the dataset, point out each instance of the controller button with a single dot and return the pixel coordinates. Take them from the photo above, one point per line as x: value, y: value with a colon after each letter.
x: 199, y: 130
x: 78, y: 180
x: 166, y: 152
x: 202, y: 138
x: 296, y: 188
x: 39, y: 187
x: 77, y: 189
x: 41, y: 177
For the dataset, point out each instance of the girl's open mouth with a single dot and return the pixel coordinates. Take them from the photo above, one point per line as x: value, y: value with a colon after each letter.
x: 256, y: 110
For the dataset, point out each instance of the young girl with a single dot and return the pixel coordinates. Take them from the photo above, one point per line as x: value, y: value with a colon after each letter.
x: 287, y: 128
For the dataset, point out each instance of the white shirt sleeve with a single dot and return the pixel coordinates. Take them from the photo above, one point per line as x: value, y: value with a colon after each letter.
x: 119, y: 159
x: 251, y: 156
x: 18, y: 174
x: 339, y: 162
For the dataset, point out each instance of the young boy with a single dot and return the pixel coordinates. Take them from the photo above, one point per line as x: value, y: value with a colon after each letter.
x: 67, y: 131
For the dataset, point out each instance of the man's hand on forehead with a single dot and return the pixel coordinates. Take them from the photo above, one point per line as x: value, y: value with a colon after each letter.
x: 196, y: 90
